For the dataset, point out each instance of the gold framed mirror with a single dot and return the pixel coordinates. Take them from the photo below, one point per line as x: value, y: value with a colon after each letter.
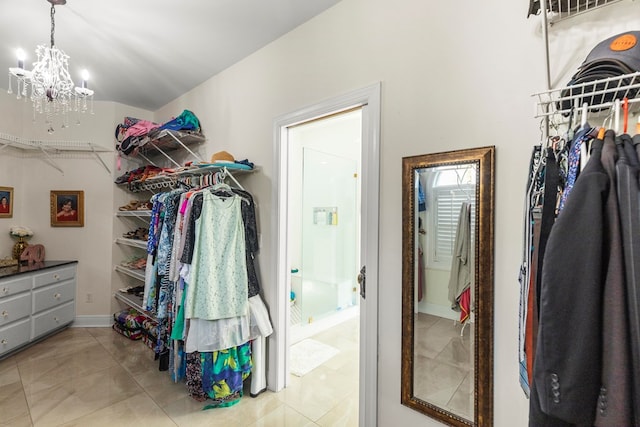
x: 447, y: 285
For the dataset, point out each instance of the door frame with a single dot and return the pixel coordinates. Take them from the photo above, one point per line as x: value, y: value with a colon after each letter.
x: 369, y: 99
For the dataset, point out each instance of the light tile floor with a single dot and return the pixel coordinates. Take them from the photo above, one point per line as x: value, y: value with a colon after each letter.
x: 96, y: 377
x: 443, y: 364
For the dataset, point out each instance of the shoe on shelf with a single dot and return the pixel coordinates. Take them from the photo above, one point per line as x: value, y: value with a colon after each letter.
x: 130, y: 234
x: 131, y: 206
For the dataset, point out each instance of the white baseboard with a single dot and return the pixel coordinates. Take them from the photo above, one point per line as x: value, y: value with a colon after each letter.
x: 103, y: 321
x: 439, y: 310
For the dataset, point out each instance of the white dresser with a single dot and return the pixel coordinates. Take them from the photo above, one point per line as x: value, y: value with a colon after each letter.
x: 35, y: 301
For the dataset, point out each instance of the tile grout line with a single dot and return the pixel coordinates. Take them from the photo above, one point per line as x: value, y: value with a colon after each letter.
x: 140, y: 385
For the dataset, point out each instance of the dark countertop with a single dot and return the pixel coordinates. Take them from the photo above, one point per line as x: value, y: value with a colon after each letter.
x: 16, y: 270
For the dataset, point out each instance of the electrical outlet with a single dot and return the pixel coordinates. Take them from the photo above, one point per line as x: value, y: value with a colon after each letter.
x: 89, y: 298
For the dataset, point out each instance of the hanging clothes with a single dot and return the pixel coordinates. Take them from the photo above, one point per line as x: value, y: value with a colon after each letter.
x: 566, y: 377
x: 202, y: 284
x: 534, y: 186
x: 628, y: 201
x: 218, y: 287
x: 223, y: 373
x: 614, y: 406
x: 550, y: 171
x: 460, y: 276
x: 420, y: 273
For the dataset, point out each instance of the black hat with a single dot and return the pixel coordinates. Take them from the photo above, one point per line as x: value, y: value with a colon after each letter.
x: 614, y: 57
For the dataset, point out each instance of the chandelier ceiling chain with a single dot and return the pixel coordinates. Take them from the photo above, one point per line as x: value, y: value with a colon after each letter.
x: 53, y: 92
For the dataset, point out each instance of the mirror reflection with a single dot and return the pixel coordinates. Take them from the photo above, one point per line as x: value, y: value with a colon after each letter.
x: 443, y: 348
x: 447, y: 352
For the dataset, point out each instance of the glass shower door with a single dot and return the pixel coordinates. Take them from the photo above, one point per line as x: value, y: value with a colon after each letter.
x: 329, y: 235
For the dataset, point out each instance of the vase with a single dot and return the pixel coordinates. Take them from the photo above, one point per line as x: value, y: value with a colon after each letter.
x: 19, y: 247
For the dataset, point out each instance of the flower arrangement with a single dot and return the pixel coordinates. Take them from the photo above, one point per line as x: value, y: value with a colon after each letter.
x: 19, y: 231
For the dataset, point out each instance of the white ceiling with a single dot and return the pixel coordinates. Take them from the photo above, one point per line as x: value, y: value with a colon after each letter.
x: 145, y: 53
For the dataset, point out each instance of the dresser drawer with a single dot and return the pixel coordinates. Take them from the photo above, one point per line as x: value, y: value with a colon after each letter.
x: 14, y: 335
x: 52, y: 319
x: 14, y: 308
x: 53, y: 276
x: 53, y: 295
x: 12, y: 287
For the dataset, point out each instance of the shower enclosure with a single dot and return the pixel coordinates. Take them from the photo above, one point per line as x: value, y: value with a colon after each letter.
x: 325, y: 281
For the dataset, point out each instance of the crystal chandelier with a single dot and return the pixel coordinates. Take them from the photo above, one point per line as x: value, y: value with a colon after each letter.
x: 52, y: 90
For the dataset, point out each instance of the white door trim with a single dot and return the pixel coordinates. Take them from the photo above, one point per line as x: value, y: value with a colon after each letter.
x: 369, y: 99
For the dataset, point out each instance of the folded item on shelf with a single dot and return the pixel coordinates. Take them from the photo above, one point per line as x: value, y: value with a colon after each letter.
x: 132, y: 133
x: 132, y: 335
x: 129, y: 319
x: 121, y: 129
x: 185, y: 121
x: 228, y: 165
x: 224, y: 158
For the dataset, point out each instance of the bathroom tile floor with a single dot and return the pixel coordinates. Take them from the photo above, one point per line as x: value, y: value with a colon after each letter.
x: 96, y: 377
x: 443, y: 364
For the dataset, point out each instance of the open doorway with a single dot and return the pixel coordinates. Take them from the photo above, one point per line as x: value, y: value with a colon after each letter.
x: 326, y: 212
x: 324, y: 223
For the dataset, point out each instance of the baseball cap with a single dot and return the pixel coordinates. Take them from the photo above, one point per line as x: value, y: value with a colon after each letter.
x: 615, y: 56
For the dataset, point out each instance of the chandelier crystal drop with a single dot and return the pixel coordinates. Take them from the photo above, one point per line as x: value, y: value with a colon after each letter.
x: 52, y: 90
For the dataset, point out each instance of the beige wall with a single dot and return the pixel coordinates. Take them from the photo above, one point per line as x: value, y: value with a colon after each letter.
x: 33, y: 179
x: 455, y: 74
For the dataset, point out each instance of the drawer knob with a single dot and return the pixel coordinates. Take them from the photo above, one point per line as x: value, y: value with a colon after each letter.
x: 5, y: 313
x: 57, y: 295
x: 55, y: 276
x: 4, y: 341
x: 5, y: 290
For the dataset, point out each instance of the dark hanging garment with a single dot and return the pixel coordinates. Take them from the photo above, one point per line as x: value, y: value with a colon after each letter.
x: 551, y: 182
x: 627, y: 190
x: 527, y: 268
x: 567, y: 366
x: 532, y: 301
x: 614, y: 401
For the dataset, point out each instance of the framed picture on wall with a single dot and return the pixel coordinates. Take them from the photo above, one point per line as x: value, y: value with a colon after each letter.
x: 6, y: 202
x: 67, y: 208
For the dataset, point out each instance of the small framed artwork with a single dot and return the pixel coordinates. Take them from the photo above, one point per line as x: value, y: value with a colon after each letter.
x: 6, y: 202
x: 67, y: 208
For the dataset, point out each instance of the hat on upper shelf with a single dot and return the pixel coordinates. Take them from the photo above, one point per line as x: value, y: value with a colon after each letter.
x: 613, y: 57
x: 222, y: 157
